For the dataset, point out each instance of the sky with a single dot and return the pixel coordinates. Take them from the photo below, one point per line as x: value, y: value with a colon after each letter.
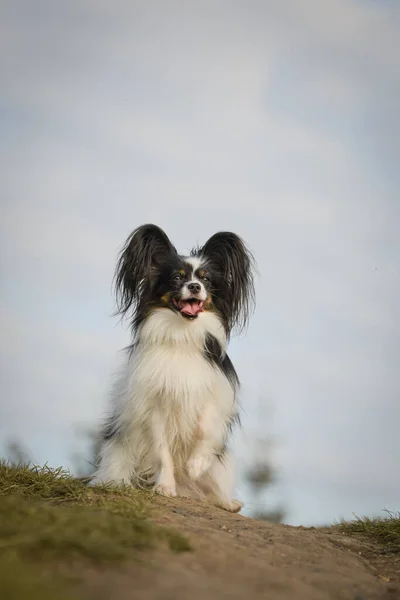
x: 278, y: 120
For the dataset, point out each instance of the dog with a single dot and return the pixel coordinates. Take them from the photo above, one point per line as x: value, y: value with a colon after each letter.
x: 176, y: 401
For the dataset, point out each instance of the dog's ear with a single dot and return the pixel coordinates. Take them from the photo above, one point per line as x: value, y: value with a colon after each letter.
x: 234, y: 264
x: 141, y: 257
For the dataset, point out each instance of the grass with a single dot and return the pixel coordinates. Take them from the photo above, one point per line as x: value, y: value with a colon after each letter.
x: 384, y: 530
x: 48, y: 517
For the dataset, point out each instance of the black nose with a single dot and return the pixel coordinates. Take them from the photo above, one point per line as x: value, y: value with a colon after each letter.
x: 194, y: 288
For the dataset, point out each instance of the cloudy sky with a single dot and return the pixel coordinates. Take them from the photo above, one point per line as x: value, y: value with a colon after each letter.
x: 278, y: 120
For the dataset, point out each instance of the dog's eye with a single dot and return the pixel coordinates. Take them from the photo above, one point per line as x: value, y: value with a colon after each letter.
x: 206, y: 279
x: 177, y: 278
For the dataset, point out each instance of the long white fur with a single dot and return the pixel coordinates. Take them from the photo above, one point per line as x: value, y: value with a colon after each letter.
x: 173, y: 408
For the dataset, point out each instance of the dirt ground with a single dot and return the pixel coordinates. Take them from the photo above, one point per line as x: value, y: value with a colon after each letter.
x: 235, y: 557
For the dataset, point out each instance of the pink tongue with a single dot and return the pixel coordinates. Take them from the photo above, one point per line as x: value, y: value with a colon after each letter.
x: 191, y: 308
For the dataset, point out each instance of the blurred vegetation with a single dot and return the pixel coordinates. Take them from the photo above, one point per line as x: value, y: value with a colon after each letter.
x: 260, y: 474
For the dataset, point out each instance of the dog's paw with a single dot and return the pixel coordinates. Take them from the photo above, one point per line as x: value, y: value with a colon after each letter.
x: 197, y: 465
x: 165, y: 490
x: 233, y: 506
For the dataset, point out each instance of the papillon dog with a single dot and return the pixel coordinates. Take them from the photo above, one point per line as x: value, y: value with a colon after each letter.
x: 176, y: 402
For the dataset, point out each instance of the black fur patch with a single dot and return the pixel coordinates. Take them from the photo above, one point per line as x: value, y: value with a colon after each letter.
x: 110, y: 429
x: 215, y: 355
x: 233, y: 421
x: 145, y: 255
x: 221, y: 453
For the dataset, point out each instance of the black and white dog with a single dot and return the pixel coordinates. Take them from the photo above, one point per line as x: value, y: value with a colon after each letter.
x: 176, y: 402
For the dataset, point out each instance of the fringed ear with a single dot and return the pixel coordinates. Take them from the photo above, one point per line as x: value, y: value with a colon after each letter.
x: 144, y: 252
x: 234, y: 264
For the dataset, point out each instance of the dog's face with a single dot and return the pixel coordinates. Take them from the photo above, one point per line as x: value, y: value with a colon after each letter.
x: 217, y: 276
x: 185, y: 286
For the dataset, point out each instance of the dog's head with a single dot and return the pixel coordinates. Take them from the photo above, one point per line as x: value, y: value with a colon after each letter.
x: 215, y: 277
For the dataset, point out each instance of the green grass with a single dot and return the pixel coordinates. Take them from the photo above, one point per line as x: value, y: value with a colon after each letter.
x: 48, y: 517
x: 384, y: 530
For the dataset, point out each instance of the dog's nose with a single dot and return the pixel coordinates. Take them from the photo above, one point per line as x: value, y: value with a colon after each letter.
x: 194, y: 288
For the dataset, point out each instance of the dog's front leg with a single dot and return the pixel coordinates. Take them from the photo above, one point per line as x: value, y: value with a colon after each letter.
x: 210, y: 434
x: 165, y: 480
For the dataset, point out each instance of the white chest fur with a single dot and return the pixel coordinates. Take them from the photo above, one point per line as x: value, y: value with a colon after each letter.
x: 170, y: 373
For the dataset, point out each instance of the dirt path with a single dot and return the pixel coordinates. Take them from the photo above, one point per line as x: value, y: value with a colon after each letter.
x: 235, y: 557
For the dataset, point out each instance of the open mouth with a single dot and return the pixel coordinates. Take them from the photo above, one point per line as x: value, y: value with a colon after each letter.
x: 190, y: 307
